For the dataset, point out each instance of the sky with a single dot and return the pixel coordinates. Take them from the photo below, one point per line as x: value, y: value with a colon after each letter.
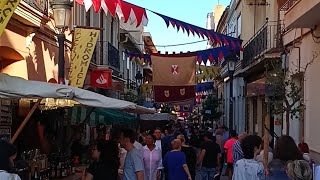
x: 190, y: 11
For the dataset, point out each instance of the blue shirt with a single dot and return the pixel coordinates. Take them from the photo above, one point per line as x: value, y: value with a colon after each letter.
x: 173, y: 163
x: 132, y: 164
x: 277, y: 170
x: 237, y: 152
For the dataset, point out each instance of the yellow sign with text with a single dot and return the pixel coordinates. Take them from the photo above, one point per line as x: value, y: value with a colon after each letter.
x: 7, y: 8
x: 84, y: 43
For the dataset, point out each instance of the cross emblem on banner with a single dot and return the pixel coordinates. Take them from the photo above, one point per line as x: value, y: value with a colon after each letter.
x: 174, y: 69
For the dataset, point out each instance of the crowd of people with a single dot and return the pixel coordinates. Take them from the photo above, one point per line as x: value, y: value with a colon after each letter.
x: 177, y: 152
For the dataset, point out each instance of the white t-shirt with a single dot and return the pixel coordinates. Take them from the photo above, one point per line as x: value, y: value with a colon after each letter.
x: 158, y: 144
x: 248, y: 169
x: 4, y: 175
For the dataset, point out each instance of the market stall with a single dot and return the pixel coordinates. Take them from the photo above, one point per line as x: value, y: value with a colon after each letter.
x: 59, y: 164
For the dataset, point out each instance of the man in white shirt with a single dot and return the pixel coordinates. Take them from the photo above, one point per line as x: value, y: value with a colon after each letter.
x: 157, y: 133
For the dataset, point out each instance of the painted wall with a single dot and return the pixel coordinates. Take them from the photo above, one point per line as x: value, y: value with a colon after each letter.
x: 309, y: 47
x: 38, y: 47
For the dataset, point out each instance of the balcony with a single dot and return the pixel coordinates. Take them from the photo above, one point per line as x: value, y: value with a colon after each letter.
x: 40, y: 5
x: 301, y: 13
x: 113, y: 57
x: 266, y: 40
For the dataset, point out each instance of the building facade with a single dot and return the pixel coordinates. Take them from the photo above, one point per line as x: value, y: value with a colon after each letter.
x: 29, y: 44
x: 301, y: 42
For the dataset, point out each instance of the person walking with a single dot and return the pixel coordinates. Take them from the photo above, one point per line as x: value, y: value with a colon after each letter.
x: 133, y: 163
x: 286, y: 150
x: 106, y: 161
x: 8, y: 153
x: 299, y: 170
x: 191, y: 155
x: 237, y: 153
x: 152, y: 159
x: 209, y: 158
x: 157, y: 133
x: 248, y: 168
x: 228, y: 150
x: 220, y: 141
x: 175, y: 163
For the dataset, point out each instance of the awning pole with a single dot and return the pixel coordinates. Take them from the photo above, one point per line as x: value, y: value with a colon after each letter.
x: 26, y: 119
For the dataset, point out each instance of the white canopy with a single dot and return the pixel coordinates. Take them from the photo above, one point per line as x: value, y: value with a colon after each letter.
x: 156, y: 117
x: 15, y: 88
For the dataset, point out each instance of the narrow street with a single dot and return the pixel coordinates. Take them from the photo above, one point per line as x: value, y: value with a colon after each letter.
x: 132, y: 89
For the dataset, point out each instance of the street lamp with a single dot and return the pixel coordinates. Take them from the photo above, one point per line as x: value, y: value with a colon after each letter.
x: 61, y: 14
x: 231, y: 63
x: 139, y: 78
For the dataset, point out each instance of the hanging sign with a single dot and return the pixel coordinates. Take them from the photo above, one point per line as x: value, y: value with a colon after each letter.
x: 7, y: 8
x: 84, y: 43
x: 101, y: 78
x: 5, y: 133
x: 6, y: 112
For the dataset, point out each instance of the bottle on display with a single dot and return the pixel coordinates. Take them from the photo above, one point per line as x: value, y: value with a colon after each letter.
x: 36, y: 175
x: 58, y: 173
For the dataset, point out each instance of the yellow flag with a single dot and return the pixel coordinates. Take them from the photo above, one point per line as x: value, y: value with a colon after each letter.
x: 84, y: 42
x: 7, y: 8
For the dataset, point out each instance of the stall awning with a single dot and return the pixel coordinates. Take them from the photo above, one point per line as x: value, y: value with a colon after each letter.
x: 100, y: 116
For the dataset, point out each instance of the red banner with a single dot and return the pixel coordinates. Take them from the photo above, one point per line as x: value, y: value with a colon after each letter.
x: 173, y: 93
x: 101, y: 78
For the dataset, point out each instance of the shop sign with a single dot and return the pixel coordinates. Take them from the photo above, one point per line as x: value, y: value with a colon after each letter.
x: 7, y: 8
x: 5, y: 133
x: 84, y: 43
x: 6, y: 112
x: 101, y: 78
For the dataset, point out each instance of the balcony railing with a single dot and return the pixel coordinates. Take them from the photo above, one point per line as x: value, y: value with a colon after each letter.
x: 40, y: 5
x: 131, y: 84
x: 287, y: 5
x: 113, y: 57
x: 266, y: 40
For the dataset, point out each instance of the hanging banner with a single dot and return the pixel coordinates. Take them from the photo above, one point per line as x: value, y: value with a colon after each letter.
x: 173, y: 93
x: 101, y: 78
x: 7, y: 8
x: 84, y: 43
x: 173, y: 71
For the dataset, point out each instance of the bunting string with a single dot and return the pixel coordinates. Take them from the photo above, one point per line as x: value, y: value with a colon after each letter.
x: 214, y: 55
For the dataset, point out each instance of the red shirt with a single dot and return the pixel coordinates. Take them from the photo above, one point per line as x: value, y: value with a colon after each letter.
x: 228, y: 147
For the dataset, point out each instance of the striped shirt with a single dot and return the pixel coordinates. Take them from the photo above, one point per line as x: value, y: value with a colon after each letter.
x: 237, y: 152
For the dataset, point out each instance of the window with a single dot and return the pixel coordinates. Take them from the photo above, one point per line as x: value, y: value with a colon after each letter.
x: 111, y: 32
x: 239, y: 26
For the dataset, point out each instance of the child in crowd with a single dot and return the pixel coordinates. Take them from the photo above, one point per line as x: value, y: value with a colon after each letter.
x: 248, y: 168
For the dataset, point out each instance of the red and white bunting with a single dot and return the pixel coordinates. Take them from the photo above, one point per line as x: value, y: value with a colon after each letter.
x: 131, y: 13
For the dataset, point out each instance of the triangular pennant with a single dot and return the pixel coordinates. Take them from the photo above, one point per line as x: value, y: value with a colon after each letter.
x: 201, y: 33
x: 210, y: 58
x: 205, y: 60
x: 218, y: 40
x: 192, y: 31
x: 210, y: 37
x: 126, y: 11
x: 239, y: 44
x: 188, y: 31
x: 79, y: 2
x: 199, y: 59
x: 177, y: 26
x: 139, y: 12
x: 220, y: 56
x: 96, y: 5
x: 173, y: 24
x: 112, y: 6
x: 225, y: 41
x: 233, y: 45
